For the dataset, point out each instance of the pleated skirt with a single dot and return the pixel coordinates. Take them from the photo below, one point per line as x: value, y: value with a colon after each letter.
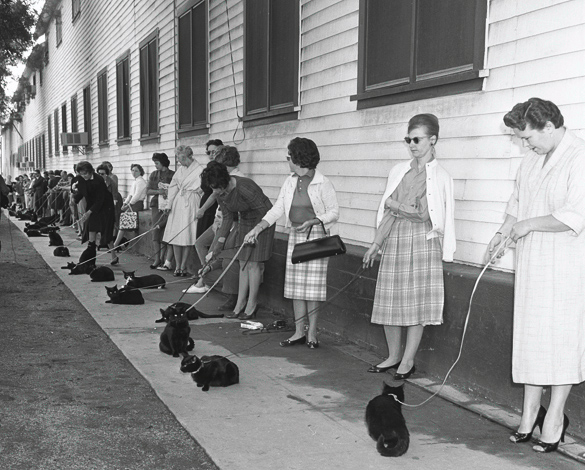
x: 410, y: 288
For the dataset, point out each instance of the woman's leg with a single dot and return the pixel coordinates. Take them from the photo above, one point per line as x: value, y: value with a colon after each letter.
x: 92, y: 237
x: 313, y: 313
x: 242, y: 290
x: 553, y: 422
x: 185, y: 253
x: 121, y: 234
x: 300, y: 311
x: 254, y: 269
x: 530, y: 407
x: 178, y: 253
x: 413, y: 337
x: 394, y: 341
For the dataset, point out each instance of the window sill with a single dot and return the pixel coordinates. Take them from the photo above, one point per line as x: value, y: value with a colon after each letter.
x: 443, y: 86
x: 149, y: 139
x: 103, y: 144
x: 202, y: 129
x: 290, y: 113
x: 124, y: 140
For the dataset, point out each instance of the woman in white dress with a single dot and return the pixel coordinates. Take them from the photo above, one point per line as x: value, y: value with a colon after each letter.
x: 136, y: 197
x: 184, y: 197
x: 546, y: 218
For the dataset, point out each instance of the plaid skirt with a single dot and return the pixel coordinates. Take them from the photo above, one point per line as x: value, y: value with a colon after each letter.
x: 410, y: 289
x: 305, y: 281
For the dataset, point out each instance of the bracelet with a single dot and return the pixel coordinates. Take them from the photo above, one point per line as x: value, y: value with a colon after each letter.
x: 499, y: 233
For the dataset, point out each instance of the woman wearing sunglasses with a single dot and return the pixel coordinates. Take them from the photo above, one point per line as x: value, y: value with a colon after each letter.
x: 415, y: 230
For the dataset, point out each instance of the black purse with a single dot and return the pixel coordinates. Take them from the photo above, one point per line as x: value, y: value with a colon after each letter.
x: 318, y: 248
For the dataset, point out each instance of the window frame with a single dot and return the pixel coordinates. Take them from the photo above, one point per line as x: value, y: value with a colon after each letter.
x: 58, y: 28
x: 64, y: 149
x: 56, y: 131
x: 50, y: 135
x: 123, y: 100
x: 103, y: 111
x: 284, y: 113
x: 74, y: 118
x: 150, y: 135
x: 194, y: 127
x: 442, y: 84
x: 75, y: 12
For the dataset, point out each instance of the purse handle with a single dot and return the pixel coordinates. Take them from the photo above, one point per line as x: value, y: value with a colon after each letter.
x: 311, y: 228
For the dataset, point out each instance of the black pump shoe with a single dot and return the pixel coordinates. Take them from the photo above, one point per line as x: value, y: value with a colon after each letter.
x: 294, y: 342
x: 379, y: 370
x: 406, y: 375
x: 546, y: 447
x: 519, y: 437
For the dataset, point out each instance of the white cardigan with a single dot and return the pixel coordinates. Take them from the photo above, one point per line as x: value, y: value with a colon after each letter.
x: 439, y: 198
x: 322, y: 196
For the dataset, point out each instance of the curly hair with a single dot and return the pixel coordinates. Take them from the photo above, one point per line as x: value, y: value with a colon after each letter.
x: 103, y: 167
x: 162, y: 158
x: 85, y: 167
x: 304, y: 153
x: 140, y: 169
x: 215, y: 175
x: 536, y: 113
x: 427, y: 120
x: 228, y: 155
x: 184, y: 150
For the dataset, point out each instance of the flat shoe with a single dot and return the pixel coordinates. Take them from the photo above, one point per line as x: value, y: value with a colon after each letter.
x: 404, y: 376
x: 163, y: 268
x: 379, y: 370
x: 114, y: 262
x: 313, y: 344
x: 154, y: 266
x: 177, y: 273
x: 294, y: 342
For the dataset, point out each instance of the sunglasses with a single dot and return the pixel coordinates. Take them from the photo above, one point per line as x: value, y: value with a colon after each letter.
x: 416, y: 140
x: 208, y: 152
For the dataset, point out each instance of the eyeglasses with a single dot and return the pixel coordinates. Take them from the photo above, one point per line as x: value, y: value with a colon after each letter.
x: 416, y: 140
x: 288, y: 157
x: 208, y: 152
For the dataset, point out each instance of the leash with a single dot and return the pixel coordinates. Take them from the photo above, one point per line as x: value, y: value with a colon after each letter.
x: 502, y: 246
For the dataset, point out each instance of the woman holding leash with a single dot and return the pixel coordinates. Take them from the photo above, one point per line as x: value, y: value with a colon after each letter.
x: 415, y: 231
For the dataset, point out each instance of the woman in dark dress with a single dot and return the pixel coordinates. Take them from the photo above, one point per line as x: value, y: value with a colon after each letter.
x: 242, y: 197
x: 99, y: 215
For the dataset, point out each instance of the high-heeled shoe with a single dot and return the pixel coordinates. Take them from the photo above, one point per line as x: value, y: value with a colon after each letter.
x: 114, y: 262
x: 233, y: 315
x: 247, y: 316
x: 519, y: 437
x: 404, y: 376
x: 294, y: 342
x: 546, y: 447
x: 379, y: 370
x: 312, y: 344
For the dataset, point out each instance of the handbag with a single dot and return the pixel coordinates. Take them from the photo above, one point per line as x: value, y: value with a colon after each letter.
x: 318, y: 248
x: 129, y: 221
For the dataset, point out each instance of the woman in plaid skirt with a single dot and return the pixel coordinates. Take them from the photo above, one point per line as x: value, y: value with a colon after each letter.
x: 415, y: 231
x: 308, y: 200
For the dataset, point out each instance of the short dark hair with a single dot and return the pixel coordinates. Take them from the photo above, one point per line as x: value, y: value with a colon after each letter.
x: 103, y: 167
x: 427, y: 120
x: 536, y: 113
x: 228, y: 155
x: 162, y: 158
x: 110, y: 166
x: 140, y: 169
x: 216, y: 142
x: 215, y: 175
x: 84, y: 167
x: 304, y: 153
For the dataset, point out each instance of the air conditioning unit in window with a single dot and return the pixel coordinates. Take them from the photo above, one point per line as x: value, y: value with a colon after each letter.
x: 74, y: 138
x: 28, y: 164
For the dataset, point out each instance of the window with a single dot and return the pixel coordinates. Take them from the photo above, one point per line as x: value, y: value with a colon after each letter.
x: 102, y: 91
x: 75, y: 9
x: 87, y: 113
x: 271, y: 58
x: 56, y: 127
x: 74, y: 125
x: 44, y: 156
x: 123, y: 96
x: 64, y: 122
x: 50, y: 136
x: 193, y: 81
x: 415, y: 49
x: 58, y: 27
x: 149, y: 86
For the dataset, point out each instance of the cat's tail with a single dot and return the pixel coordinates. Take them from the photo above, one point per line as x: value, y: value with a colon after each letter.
x: 392, y: 446
x: 190, y: 345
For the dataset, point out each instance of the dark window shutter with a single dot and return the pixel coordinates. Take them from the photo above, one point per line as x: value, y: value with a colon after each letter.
x: 87, y: 113
x: 199, y: 63
x: 50, y: 134
x: 256, y: 56
x: 185, y: 67
x: 283, y: 53
x: 56, y: 126
x: 64, y: 122
x: 144, y: 91
x: 153, y: 87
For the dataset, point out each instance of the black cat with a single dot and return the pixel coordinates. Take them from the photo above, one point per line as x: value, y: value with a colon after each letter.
x: 174, y: 339
x: 79, y: 268
x: 192, y: 313
x: 48, y: 220
x: 55, y: 239
x: 88, y: 255
x: 27, y: 215
x: 48, y: 229
x: 101, y: 274
x: 62, y: 251
x: 33, y: 233
x: 215, y: 371
x: 385, y: 422
x: 152, y: 281
x: 124, y: 296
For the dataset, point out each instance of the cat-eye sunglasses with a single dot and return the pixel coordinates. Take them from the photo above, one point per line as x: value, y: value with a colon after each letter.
x: 416, y: 140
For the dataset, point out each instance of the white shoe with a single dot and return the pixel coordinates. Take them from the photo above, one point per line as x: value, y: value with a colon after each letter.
x: 196, y: 290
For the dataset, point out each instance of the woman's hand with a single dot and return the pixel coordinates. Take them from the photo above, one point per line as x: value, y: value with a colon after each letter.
x: 199, y: 213
x: 520, y: 229
x: 209, y: 256
x: 306, y: 225
x: 370, y: 256
x: 493, y: 245
x: 389, y: 204
x: 252, y: 235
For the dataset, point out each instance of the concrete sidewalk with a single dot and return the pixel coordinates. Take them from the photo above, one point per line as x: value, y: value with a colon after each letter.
x: 294, y: 408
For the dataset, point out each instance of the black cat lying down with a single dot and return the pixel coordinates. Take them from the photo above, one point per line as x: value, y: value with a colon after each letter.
x: 152, y: 281
x: 62, y: 251
x: 86, y: 261
x: 385, y: 422
x: 214, y: 371
x: 124, y: 296
x: 192, y: 313
x: 174, y: 339
x: 101, y: 274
